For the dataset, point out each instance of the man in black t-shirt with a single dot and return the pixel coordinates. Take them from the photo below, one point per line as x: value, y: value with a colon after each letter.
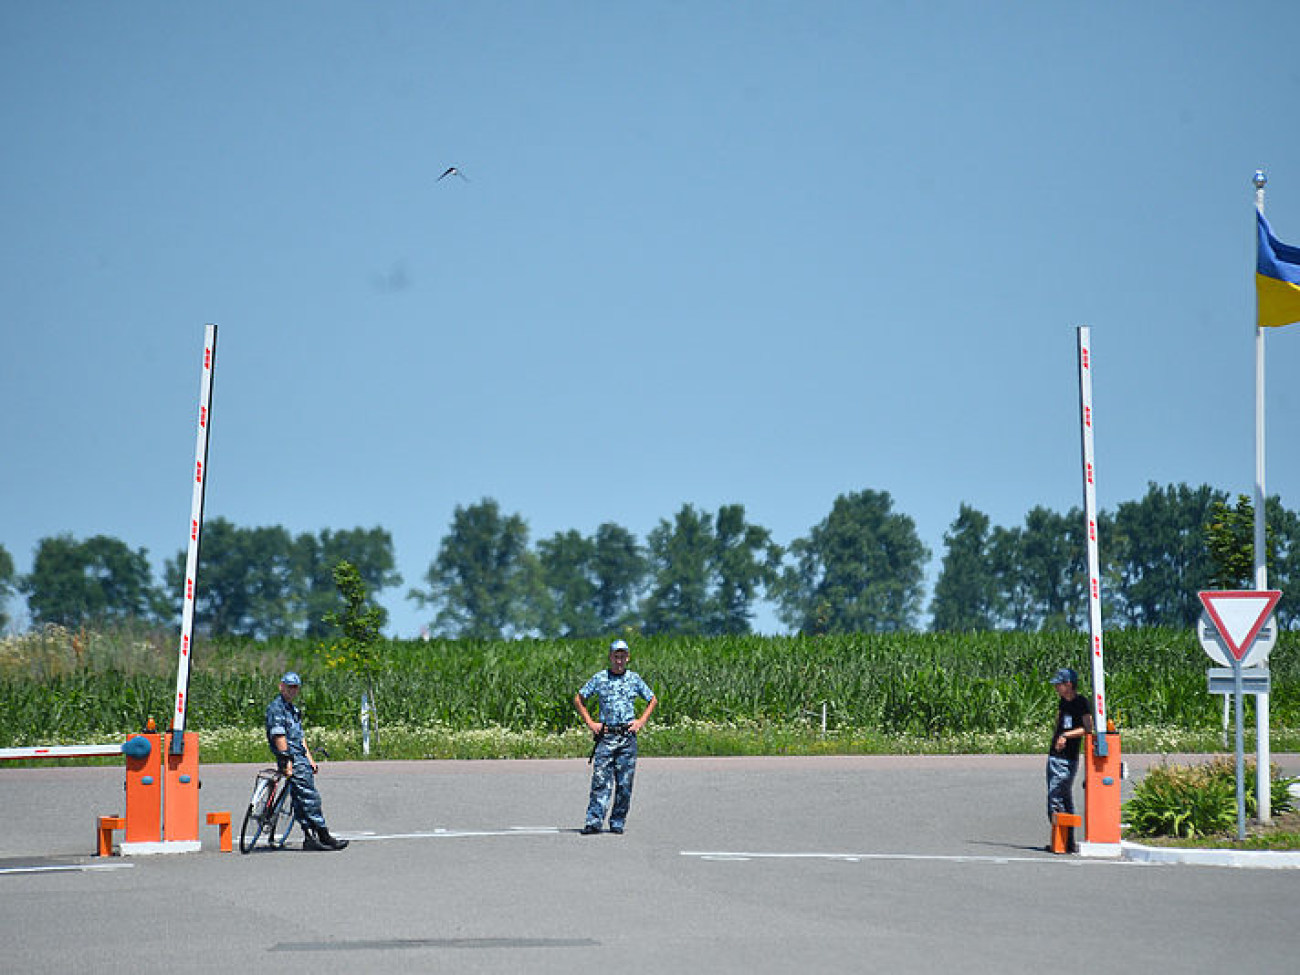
x: 1073, y: 721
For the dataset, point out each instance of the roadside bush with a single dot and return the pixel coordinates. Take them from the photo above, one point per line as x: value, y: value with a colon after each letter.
x: 1187, y: 801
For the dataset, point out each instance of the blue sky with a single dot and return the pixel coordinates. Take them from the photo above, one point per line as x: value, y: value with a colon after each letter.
x: 761, y: 253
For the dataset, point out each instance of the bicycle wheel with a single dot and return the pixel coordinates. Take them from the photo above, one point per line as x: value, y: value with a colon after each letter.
x: 251, y: 830
x: 280, y: 818
x: 255, y: 818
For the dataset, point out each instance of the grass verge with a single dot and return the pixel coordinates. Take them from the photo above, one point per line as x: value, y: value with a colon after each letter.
x: 684, y: 738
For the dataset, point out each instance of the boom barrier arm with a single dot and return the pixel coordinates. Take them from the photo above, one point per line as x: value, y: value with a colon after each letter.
x: 196, y: 531
x: 1094, y: 561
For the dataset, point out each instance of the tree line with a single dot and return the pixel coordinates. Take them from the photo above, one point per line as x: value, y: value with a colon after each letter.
x: 861, y: 569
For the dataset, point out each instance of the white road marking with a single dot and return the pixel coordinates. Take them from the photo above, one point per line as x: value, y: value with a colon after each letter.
x: 442, y: 834
x: 68, y: 868
x: 725, y: 855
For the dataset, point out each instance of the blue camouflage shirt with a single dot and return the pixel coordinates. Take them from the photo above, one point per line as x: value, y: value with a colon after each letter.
x: 617, y: 695
x: 283, y: 718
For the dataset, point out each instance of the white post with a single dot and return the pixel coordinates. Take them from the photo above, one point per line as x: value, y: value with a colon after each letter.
x: 365, y: 723
x: 1094, y: 559
x: 1263, y: 756
x: 196, y: 528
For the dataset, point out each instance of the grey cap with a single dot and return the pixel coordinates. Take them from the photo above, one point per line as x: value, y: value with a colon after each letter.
x: 1065, y: 676
x: 619, y: 645
x: 291, y: 678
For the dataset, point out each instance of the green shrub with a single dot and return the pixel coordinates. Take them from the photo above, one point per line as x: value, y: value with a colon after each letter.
x: 1187, y: 801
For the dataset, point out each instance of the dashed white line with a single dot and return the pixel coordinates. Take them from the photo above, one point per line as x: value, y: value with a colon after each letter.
x: 67, y: 868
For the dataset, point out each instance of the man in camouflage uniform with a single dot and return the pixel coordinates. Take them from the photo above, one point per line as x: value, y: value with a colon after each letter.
x: 614, y: 757
x: 285, y: 737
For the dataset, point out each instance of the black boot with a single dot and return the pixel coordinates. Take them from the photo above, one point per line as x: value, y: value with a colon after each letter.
x: 310, y: 839
x: 329, y: 842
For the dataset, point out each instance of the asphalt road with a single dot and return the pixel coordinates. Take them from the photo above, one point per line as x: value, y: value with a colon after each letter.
x: 729, y: 865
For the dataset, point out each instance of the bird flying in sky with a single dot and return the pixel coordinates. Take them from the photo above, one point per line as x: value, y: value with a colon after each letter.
x: 452, y: 171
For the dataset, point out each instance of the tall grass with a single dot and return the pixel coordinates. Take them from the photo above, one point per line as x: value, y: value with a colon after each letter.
x: 61, y: 686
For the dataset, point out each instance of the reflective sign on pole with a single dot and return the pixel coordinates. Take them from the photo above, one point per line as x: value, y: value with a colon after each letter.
x: 1223, y: 680
x: 1217, y: 647
x: 1238, y: 619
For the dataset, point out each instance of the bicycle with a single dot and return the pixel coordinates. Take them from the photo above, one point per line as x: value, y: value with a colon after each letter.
x: 270, y: 811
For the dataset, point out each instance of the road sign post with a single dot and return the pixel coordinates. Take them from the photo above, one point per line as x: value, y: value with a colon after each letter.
x: 1238, y: 619
x: 1223, y: 680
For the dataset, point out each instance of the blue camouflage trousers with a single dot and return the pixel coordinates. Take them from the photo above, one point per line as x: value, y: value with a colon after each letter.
x: 306, y: 800
x: 613, y: 769
x: 1060, y: 785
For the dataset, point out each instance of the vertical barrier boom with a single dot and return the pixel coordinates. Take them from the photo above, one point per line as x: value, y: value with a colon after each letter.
x: 1102, y: 793
x: 1094, y: 560
x: 196, y: 530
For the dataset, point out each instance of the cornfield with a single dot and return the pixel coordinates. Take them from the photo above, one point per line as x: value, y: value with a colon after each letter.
x: 60, y: 686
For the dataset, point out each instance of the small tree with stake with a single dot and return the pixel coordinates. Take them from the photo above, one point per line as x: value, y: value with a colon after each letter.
x: 1230, y: 540
x: 360, y: 649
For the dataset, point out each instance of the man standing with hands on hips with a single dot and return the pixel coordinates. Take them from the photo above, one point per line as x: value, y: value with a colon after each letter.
x: 614, y: 757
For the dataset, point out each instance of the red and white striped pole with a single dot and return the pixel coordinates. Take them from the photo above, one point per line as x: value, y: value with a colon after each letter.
x: 1094, y: 560
x: 58, y: 751
x: 196, y: 530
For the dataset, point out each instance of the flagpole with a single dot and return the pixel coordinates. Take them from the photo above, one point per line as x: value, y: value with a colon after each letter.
x: 1262, y: 753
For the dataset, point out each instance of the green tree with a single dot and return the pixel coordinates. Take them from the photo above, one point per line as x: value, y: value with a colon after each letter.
x: 249, y: 583
x: 8, y: 581
x: 1014, y: 597
x: 965, y: 593
x: 1284, y: 561
x: 1041, y: 570
x: 1054, y: 562
x: 680, y: 555
x: 860, y: 570
x: 567, y: 562
x: 744, y: 561
x: 484, y: 582
x: 590, y: 583
x: 706, y: 572
x: 99, y: 580
x: 621, y: 567
x: 1230, y: 542
x: 360, y: 647
x: 1160, y: 559
x: 316, y: 558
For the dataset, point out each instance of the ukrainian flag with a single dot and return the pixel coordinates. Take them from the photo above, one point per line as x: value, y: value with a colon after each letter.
x: 1277, y: 279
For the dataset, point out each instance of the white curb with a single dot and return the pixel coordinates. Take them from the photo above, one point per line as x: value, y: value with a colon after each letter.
x: 1253, y: 859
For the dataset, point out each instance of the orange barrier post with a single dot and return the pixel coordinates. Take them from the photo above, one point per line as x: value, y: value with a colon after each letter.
x: 162, y: 799
x: 1101, y: 799
x: 144, y: 793
x: 181, y: 806
x: 104, y: 835
x: 1061, y: 825
x: 222, y: 820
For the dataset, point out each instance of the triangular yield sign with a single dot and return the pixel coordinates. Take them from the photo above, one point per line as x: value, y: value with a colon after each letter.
x: 1240, y: 615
